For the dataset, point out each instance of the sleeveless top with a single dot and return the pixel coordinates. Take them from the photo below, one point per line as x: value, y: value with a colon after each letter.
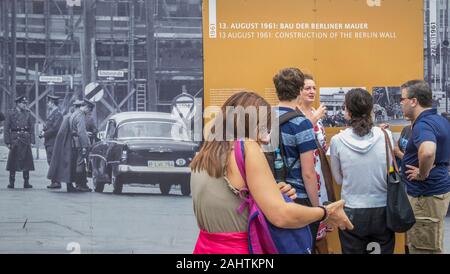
x: 215, y: 204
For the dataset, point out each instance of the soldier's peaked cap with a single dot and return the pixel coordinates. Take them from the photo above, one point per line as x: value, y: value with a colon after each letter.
x: 21, y: 99
x: 78, y: 103
x: 53, y: 98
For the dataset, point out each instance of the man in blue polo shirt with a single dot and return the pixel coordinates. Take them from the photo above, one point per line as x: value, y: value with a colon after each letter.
x: 298, y: 140
x: 424, y: 168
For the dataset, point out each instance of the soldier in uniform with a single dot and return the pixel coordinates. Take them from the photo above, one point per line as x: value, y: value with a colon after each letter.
x: 51, y: 128
x: 80, y: 144
x: 91, y: 126
x: 19, y: 135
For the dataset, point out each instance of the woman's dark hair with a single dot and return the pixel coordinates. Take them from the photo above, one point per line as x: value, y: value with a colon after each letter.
x: 359, y: 104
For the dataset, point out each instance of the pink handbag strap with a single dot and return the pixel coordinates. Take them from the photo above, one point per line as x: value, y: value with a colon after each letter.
x: 244, y: 193
x: 240, y: 160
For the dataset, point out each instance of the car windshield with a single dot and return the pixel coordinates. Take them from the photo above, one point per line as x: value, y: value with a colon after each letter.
x: 153, y: 129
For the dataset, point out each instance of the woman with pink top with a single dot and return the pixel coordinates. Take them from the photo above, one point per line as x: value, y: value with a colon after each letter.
x: 216, y: 182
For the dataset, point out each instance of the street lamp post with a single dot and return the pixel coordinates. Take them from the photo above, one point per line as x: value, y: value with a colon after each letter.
x: 36, y: 84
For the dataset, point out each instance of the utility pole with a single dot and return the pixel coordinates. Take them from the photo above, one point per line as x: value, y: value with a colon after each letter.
x: 71, y: 31
x: 131, y: 75
x: 87, y: 47
x: 151, y: 55
x: 13, y: 49
x: 6, y: 102
x: 36, y: 86
x: 45, y: 67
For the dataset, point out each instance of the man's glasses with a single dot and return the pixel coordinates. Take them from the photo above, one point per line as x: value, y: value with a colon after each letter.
x: 403, y: 98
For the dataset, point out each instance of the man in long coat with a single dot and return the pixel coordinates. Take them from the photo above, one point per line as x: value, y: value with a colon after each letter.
x: 70, y: 150
x: 51, y: 128
x: 18, y: 136
x: 60, y: 165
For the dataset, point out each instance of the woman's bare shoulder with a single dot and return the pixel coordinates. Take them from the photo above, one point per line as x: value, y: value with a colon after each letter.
x: 252, y: 146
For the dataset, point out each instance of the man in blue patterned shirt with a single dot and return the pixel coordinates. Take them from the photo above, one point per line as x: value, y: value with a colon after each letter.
x: 298, y: 139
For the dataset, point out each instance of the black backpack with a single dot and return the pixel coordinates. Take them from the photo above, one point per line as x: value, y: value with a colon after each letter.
x: 270, y: 156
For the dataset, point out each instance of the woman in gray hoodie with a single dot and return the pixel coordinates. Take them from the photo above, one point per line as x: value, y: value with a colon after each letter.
x: 358, y: 163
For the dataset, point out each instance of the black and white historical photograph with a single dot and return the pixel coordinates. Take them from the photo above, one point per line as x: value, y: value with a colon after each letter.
x: 97, y: 99
x: 333, y: 99
x: 437, y: 53
x: 386, y: 106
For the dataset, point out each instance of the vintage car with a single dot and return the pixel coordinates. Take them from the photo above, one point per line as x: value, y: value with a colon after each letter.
x: 142, y: 148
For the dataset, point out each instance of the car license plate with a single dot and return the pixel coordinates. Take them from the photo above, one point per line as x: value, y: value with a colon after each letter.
x: 161, y: 164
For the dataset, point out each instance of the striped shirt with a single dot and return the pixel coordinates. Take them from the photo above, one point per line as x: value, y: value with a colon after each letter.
x: 298, y: 137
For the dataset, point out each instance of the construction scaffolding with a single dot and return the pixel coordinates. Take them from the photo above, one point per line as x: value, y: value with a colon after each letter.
x: 147, y: 51
x: 436, y: 51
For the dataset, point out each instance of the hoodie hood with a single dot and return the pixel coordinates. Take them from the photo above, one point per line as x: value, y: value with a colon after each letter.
x: 360, y: 144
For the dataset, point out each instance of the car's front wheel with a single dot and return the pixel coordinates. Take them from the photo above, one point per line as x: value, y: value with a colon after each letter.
x: 117, y: 185
x: 186, y: 188
x: 165, y: 188
x: 98, y: 186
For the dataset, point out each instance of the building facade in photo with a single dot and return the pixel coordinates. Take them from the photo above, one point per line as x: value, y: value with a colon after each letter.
x: 142, y: 53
